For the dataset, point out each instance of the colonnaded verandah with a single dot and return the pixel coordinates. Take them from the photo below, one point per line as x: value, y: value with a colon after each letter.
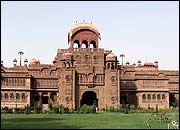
x: 85, y: 73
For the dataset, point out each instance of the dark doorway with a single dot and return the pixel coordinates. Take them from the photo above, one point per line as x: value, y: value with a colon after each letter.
x: 88, y: 98
x: 123, y: 99
x: 44, y: 99
x: 172, y: 100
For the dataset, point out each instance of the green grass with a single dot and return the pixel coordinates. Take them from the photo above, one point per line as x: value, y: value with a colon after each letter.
x: 80, y: 121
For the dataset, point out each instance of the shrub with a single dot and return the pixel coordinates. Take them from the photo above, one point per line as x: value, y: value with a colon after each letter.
x: 106, y: 108
x: 16, y: 110
x: 132, y: 107
x: 38, y: 109
x: 6, y: 110
x: 61, y: 109
x: 66, y: 110
x: 45, y: 111
x: 27, y: 109
x: 56, y: 109
x: 85, y: 109
x: 50, y: 106
x: 112, y: 109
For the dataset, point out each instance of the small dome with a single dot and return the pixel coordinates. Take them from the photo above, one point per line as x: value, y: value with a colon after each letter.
x: 111, y: 56
x: 148, y: 63
x: 139, y: 61
x: 15, y: 60
x: 34, y: 62
x: 134, y: 64
x: 127, y: 63
x: 156, y: 62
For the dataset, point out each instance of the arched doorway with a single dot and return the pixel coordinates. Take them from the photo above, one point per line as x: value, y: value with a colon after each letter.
x: 89, y: 97
x: 45, y: 98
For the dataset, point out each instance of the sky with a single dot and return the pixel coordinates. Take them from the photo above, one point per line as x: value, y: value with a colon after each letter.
x: 146, y: 31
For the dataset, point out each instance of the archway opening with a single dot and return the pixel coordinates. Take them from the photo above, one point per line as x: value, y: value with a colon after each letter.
x: 89, y: 98
x: 76, y: 44
x: 93, y: 44
x: 84, y: 44
x: 173, y: 101
x: 45, y: 98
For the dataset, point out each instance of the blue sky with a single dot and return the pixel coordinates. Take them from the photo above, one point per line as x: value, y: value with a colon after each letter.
x: 145, y: 31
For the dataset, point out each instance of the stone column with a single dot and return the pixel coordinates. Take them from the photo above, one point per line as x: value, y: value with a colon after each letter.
x: 73, y: 89
x: 118, y: 87
x: 40, y: 98
x: 49, y: 94
x: 138, y: 99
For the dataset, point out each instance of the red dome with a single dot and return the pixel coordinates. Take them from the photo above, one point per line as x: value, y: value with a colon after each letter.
x: 148, y: 63
x: 34, y: 62
x: 111, y: 56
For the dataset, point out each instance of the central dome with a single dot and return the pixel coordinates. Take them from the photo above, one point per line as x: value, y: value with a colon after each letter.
x: 82, y: 25
x: 83, y: 35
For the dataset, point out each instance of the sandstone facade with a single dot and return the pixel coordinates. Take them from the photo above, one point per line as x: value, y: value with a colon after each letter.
x: 84, y: 74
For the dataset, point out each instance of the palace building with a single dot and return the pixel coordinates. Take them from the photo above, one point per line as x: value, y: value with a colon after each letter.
x: 84, y: 74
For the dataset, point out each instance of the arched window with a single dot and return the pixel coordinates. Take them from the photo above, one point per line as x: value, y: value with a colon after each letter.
x: 84, y: 44
x: 23, y: 96
x: 108, y: 66
x: 149, y: 97
x: 154, y: 97
x: 113, y: 80
x: 163, y: 97
x: 68, y: 65
x: 93, y: 44
x: 158, y: 97
x: 11, y: 96
x: 78, y: 59
x: 68, y: 78
x: 76, y: 44
x: 95, y: 58
x: 86, y: 59
x: 143, y: 97
x: 17, y: 96
x: 6, y: 96
x: 112, y: 66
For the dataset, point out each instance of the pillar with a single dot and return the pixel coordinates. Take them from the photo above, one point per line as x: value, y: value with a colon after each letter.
x: 40, y: 98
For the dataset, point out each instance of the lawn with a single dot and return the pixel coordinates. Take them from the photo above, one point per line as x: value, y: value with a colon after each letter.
x: 80, y: 121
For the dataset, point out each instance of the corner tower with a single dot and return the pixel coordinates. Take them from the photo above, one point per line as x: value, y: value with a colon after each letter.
x: 83, y: 35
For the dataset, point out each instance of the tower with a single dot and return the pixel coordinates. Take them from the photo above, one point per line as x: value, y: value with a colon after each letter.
x: 83, y: 35
x: 84, y: 67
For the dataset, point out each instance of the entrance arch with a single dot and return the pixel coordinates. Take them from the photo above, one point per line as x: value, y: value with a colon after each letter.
x: 45, y: 98
x: 88, y: 98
